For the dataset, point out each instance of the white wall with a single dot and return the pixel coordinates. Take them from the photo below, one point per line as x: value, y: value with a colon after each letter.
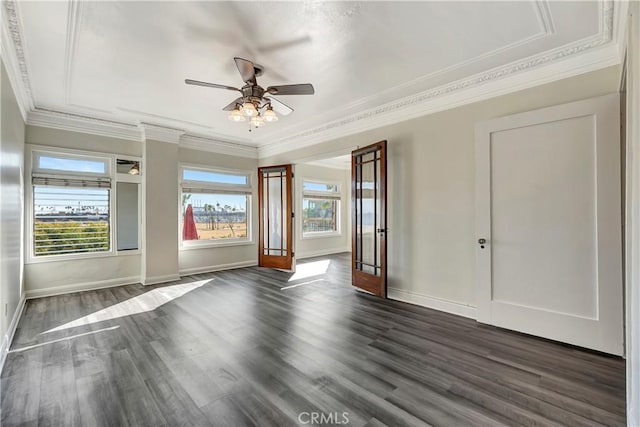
x: 161, y: 259
x: 58, y: 276
x: 322, y: 245
x: 632, y: 231
x: 195, y: 260
x: 160, y: 172
x: 11, y: 212
x: 431, y: 183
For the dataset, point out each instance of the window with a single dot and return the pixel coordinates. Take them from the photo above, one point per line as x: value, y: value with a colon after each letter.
x: 71, y: 204
x: 216, y: 206
x: 320, y: 208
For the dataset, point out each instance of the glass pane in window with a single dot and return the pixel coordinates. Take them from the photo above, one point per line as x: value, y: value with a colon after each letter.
x: 318, y: 186
x: 127, y: 216
x: 70, y: 220
x: 211, y: 216
x: 319, y: 215
x: 214, y: 177
x: 71, y: 164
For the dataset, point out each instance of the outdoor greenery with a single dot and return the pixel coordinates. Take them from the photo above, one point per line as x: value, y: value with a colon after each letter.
x: 70, y: 237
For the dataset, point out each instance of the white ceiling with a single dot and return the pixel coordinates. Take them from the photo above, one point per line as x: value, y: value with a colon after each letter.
x: 127, y: 61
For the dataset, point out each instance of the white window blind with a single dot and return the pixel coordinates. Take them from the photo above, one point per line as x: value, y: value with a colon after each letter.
x: 70, y: 219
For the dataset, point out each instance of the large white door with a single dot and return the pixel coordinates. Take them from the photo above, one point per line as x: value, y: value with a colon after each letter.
x: 549, y: 254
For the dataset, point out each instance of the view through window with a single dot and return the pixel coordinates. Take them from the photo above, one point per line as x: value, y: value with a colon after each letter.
x: 215, y: 205
x: 71, y: 204
x: 320, y: 207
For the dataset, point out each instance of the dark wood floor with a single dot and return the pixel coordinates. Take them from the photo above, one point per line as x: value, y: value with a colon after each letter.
x: 248, y: 347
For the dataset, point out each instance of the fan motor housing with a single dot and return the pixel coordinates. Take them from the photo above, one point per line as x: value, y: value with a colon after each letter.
x: 250, y: 91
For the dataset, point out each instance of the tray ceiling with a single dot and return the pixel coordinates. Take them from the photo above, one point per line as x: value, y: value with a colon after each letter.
x: 125, y: 62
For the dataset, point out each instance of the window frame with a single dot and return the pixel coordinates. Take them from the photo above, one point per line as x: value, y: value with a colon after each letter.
x: 34, y: 152
x: 131, y: 179
x: 338, y: 196
x: 212, y: 187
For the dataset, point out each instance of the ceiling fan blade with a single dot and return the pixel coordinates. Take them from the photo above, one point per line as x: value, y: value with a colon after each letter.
x: 247, y: 70
x: 279, y: 107
x: 205, y: 84
x: 232, y: 106
x: 301, y: 89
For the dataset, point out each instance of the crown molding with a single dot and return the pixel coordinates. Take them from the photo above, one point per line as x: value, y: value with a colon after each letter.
x: 161, y: 133
x: 13, y: 57
x: 135, y: 132
x: 201, y: 143
x: 589, y: 54
x: 79, y: 123
x: 592, y: 53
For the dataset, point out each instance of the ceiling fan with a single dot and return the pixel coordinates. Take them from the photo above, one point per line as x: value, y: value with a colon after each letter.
x: 257, y: 103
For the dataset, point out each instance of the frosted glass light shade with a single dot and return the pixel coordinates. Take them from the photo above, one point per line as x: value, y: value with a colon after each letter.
x: 248, y: 109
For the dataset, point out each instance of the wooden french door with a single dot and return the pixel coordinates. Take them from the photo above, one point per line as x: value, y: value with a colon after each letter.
x: 275, y: 225
x: 369, y: 211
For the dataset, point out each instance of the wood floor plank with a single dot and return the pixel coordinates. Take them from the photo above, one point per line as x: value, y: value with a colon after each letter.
x: 256, y: 347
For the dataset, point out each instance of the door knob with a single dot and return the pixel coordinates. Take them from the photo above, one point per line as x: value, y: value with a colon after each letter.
x: 381, y: 230
x: 482, y: 242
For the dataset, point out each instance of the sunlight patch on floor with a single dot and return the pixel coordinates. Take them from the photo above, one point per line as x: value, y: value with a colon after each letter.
x: 148, y: 301
x: 301, y: 284
x: 310, y: 269
x: 29, y: 347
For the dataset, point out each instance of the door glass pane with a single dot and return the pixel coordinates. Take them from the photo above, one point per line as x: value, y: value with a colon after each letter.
x: 275, y: 202
x: 378, y: 224
x: 368, y: 156
x: 368, y: 216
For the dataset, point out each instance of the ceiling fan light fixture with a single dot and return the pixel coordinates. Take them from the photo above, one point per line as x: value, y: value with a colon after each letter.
x: 270, y: 115
x: 249, y: 109
x: 135, y: 169
x: 237, y: 116
x: 258, y: 121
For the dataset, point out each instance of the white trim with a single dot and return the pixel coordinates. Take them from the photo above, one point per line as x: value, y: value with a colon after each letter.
x: 13, y: 57
x: 323, y: 252
x: 30, y: 257
x: 161, y: 133
x: 81, y: 287
x: 154, y: 280
x: 632, y: 228
x: 311, y: 235
x: 11, y: 331
x: 589, y: 54
x: 247, y: 190
x: 439, y: 304
x: 53, y: 119
x: 445, y: 97
x: 189, y: 245
x: 219, y: 267
x: 202, y: 143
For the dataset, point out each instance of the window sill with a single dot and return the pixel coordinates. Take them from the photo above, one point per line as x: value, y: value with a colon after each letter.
x: 130, y: 252
x: 210, y: 245
x: 61, y: 258
x: 321, y: 235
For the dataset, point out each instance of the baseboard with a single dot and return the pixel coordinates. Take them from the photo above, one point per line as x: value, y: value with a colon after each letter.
x: 322, y: 253
x: 219, y: 267
x: 11, y: 331
x: 431, y: 302
x: 154, y: 280
x: 79, y: 287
